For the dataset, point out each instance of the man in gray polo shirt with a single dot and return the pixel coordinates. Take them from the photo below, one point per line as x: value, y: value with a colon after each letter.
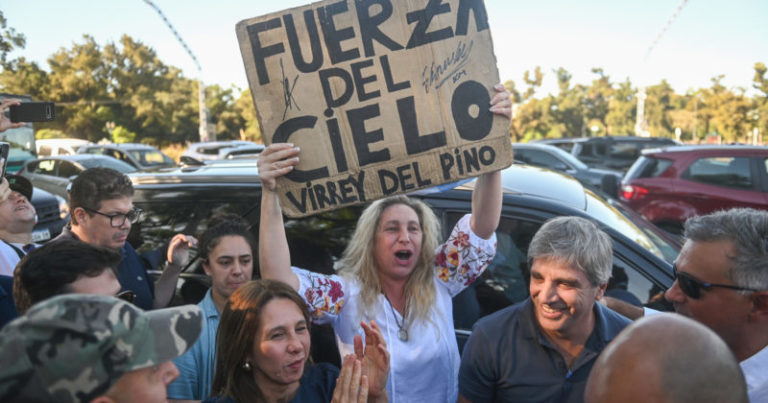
x: 542, y: 349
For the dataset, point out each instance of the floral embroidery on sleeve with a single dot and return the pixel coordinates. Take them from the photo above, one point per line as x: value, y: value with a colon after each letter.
x: 458, y: 261
x: 323, y: 294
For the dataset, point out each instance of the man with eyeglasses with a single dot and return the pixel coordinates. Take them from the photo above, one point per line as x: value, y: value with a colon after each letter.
x: 102, y: 212
x: 721, y: 280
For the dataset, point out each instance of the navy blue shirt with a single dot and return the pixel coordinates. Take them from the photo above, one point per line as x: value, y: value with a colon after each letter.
x: 131, y: 273
x: 317, y: 385
x: 7, y: 306
x: 508, y: 359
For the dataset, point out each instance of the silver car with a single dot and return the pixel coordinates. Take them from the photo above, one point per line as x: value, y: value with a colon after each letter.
x: 53, y: 174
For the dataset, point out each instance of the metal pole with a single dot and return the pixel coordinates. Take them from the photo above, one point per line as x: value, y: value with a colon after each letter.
x: 203, y: 129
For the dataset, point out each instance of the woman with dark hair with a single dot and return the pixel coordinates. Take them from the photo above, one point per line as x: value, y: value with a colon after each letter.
x: 263, y: 352
x: 226, y: 254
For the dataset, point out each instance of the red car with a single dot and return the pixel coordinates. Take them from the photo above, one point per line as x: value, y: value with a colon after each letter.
x: 671, y: 184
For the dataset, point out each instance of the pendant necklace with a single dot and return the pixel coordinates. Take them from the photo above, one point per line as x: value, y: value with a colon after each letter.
x: 402, y: 333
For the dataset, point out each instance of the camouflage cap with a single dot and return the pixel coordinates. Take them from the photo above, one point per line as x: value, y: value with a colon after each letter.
x: 74, y: 347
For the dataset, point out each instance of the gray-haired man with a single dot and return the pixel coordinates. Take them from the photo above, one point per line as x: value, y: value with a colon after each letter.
x: 543, y: 348
x: 94, y: 348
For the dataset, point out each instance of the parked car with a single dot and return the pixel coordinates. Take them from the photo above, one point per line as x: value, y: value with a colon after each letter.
x: 198, y: 153
x: 141, y: 156
x: 183, y: 200
x: 244, y: 152
x: 609, y: 152
x: 557, y: 159
x: 670, y: 185
x: 55, y: 173
x: 53, y: 147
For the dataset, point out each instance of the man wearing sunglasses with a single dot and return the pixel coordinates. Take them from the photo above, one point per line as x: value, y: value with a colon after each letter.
x: 102, y: 212
x: 721, y: 280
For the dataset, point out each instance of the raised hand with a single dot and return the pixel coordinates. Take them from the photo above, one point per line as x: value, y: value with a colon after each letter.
x: 351, y: 385
x: 374, y: 356
x: 275, y: 161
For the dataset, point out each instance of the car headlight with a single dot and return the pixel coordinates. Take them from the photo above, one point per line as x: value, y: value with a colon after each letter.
x: 63, y: 207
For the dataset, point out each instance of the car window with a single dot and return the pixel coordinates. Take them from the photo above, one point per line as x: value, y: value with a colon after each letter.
x: 67, y: 169
x: 46, y: 167
x: 732, y: 172
x: 95, y: 150
x: 542, y: 159
x: 112, y: 163
x: 150, y: 157
x: 44, y: 151
x: 648, y: 167
x: 592, y: 150
x: 624, y: 150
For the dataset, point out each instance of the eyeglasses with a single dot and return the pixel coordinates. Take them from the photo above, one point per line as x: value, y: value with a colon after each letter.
x: 692, y: 287
x: 127, y: 296
x: 117, y: 220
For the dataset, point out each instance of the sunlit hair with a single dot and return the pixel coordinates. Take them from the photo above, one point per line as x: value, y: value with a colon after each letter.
x: 358, y: 260
x: 238, y: 328
x: 747, y: 229
x: 579, y: 243
x: 220, y: 226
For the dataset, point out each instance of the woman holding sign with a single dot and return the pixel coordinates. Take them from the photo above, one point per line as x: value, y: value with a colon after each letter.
x: 394, y: 271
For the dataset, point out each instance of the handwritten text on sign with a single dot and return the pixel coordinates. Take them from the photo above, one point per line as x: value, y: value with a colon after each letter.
x: 382, y: 96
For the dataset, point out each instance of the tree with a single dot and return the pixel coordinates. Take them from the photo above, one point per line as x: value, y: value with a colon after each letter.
x: 245, y: 108
x: 9, y: 40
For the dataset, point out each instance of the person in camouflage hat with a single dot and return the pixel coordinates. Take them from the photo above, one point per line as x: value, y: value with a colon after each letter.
x: 83, y: 348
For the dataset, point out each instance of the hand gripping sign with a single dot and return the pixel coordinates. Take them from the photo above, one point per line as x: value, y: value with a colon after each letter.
x: 382, y: 96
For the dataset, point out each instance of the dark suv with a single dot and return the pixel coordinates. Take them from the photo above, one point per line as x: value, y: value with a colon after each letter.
x: 609, y: 152
x: 672, y: 184
x: 183, y: 200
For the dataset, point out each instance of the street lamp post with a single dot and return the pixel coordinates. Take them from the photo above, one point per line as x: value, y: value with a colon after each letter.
x: 205, y: 135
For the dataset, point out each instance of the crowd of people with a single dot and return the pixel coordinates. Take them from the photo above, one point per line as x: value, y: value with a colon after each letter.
x: 83, y: 321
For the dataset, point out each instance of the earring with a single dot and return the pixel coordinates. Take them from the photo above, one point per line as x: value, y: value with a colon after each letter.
x: 246, y: 366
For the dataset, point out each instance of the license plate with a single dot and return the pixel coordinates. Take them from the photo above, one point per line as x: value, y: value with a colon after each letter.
x: 41, y: 235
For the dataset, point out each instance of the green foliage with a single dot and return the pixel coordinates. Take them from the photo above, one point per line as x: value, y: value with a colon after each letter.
x: 126, y: 83
x: 608, y: 108
x: 9, y: 40
x: 50, y: 134
x: 122, y: 135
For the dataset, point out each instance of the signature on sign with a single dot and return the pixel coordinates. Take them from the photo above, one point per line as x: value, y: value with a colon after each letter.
x: 452, y: 66
x: 288, y: 87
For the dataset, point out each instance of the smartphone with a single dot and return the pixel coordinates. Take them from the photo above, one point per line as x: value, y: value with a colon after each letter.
x: 33, y: 112
x: 5, y: 148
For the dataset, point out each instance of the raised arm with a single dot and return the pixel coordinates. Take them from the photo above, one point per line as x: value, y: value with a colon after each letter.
x: 486, y: 198
x: 274, y: 256
x: 178, y: 257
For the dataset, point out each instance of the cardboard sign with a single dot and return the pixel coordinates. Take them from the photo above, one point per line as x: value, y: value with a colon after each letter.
x: 382, y: 96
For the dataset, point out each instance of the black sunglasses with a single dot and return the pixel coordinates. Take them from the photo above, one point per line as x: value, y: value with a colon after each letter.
x: 127, y: 296
x: 692, y: 287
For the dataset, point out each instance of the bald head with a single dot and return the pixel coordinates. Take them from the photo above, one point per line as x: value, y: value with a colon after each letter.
x: 666, y: 358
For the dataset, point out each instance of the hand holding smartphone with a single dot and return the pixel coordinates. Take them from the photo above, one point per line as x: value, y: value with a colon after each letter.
x: 33, y: 112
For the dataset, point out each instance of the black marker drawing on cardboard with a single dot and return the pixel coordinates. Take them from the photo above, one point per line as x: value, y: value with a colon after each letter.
x: 290, y: 102
x: 451, y: 67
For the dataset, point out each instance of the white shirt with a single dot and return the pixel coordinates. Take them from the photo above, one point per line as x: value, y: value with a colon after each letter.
x: 424, y: 368
x: 755, y: 370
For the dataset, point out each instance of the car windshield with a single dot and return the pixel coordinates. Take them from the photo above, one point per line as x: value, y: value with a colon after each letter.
x: 151, y: 157
x: 112, y: 163
x: 632, y: 226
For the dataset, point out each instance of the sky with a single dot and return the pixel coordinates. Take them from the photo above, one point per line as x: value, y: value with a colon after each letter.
x: 706, y: 39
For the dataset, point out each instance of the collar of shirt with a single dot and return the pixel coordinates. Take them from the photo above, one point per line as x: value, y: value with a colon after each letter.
x: 755, y: 369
